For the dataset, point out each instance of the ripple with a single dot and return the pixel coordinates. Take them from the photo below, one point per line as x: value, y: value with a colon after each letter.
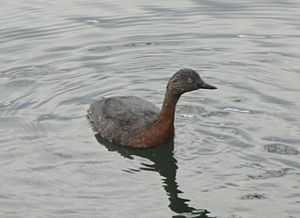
x: 281, y: 149
x: 253, y: 196
x: 236, y: 110
x: 270, y: 174
x: 41, y: 32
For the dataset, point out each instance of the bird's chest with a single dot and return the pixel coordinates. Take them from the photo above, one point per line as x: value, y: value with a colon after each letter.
x: 158, y: 134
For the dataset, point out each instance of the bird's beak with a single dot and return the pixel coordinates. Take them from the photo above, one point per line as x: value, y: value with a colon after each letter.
x: 207, y: 86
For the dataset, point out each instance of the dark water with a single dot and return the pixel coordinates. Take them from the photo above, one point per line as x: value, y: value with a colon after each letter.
x: 236, y: 151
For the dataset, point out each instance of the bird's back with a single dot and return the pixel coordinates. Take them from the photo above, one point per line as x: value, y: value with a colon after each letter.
x: 117, y: 118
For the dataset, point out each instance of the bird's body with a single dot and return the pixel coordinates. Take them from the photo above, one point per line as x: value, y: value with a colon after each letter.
x: 117, y: 118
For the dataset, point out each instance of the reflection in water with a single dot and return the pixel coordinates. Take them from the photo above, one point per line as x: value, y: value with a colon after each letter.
x: 165, y: 164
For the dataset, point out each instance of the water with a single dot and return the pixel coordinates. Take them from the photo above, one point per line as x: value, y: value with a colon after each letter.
x: 236, y: 151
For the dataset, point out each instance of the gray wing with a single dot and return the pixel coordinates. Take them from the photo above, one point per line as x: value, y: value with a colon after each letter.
x: 117, y: 117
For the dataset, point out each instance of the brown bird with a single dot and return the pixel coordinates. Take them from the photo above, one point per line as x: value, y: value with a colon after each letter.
x: 133, y: 122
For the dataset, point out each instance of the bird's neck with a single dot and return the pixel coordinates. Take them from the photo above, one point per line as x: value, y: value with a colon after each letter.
x: 167, y: 113
x: 162, y: 130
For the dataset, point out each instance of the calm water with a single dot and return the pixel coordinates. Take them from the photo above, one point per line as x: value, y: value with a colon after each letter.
x: 237, y: 149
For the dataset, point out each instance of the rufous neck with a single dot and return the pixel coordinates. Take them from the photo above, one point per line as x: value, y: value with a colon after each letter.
x: 167, y: 112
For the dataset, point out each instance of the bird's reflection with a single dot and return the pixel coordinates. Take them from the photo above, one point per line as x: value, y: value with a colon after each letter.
x: 165, y: 164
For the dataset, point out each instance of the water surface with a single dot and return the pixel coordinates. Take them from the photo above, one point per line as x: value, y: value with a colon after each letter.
x: 236, y: 151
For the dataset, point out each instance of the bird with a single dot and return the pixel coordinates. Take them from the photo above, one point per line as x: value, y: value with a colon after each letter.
x: 134, y: 122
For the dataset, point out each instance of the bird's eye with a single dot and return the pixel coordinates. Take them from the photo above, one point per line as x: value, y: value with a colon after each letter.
x: 190, y: 80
